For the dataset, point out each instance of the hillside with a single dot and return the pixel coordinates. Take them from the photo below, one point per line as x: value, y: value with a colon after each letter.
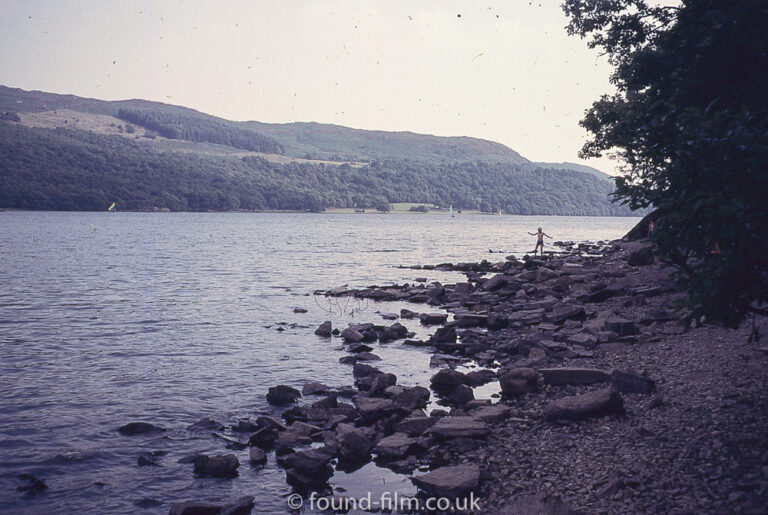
x: 575, y: 167
x: 67, y: 152
x: 325, y: 141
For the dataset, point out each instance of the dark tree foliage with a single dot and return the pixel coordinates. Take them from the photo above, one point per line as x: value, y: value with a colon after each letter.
x: 9, y: 116
x: 200, y: 128
x: 690, y: 123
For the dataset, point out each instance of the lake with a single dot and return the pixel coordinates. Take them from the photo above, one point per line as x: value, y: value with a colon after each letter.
x: 108, y: 318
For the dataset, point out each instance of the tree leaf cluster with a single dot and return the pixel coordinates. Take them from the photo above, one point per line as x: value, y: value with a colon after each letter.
x: 689, y: 121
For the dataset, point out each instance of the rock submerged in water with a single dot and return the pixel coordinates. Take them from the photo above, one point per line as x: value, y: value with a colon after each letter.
x: 314, y: 388
x: 452, y: 481
x: 205, y: 424
x: 325, y: 329
x: 257, y: 456
x: 307, y: 469
x: 242, y: 506
x: 223, y: 465
x: 352, y: 335
x: 281, y: 394
x: 34, y: 485
x: 139, y: 428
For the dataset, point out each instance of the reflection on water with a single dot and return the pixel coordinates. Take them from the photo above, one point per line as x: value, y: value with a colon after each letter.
x: 109, y: 318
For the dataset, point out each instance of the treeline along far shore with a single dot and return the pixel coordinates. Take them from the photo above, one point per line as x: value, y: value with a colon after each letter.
x: 66, y: 169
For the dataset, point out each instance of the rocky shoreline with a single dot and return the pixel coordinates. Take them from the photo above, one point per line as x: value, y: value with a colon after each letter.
x: 612, y: 399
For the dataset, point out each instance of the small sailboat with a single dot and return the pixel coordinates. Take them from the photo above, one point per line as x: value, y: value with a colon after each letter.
x: 451, y: 211
x: 111, y: 208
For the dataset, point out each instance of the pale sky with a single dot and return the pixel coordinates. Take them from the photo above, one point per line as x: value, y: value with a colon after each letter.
x: 503, y: 71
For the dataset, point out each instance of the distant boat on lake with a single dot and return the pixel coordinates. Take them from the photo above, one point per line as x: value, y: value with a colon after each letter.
x: 112, y: 207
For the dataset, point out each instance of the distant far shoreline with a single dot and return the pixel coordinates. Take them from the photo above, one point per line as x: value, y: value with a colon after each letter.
x: 329, y: 211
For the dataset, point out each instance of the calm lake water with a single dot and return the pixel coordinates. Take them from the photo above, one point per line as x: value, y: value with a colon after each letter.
x: 108, y: 318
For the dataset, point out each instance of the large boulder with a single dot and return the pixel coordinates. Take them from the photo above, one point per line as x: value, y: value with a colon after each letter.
x: 495, y: 283
x: 480, y: 377
x: 372, y: 409
x: 446, y: 380
x: 324, y: 329
x: 396, y: 446
x: 492, y: 414
x: 362, y: 370
x: 444, y: 335
x: 461, y: 395
x: 641, y: 257
x: 593, y: 404
x: 519, y: 381
x: 574, y: 376
x: 303, y: 481
x: 415, y: 425
x: 314, y: 388
x: 354, y: 447
x: 359, y: 347
x: 309, y: 461
x: 459, y: 427
x: 376, y: 382
x: 411, y: 398
x: 264, y: 438
x: 352, y: 335
x: 452, y: 481
x: 282, y: 394
x: 433, y: 318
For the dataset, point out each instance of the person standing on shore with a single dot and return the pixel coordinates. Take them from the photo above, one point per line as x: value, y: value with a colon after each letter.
x: 651, y: 230
x: 540, y: 240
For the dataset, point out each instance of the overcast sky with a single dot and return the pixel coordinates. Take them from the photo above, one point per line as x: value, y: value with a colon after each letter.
x: 503, y: 71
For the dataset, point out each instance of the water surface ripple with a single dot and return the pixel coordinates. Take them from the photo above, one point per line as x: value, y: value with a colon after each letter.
x: 167, y: 318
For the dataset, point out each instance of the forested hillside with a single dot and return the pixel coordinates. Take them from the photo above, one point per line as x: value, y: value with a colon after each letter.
x: 326, y: 141
x: 201, y: 129
x: 76, y: 170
